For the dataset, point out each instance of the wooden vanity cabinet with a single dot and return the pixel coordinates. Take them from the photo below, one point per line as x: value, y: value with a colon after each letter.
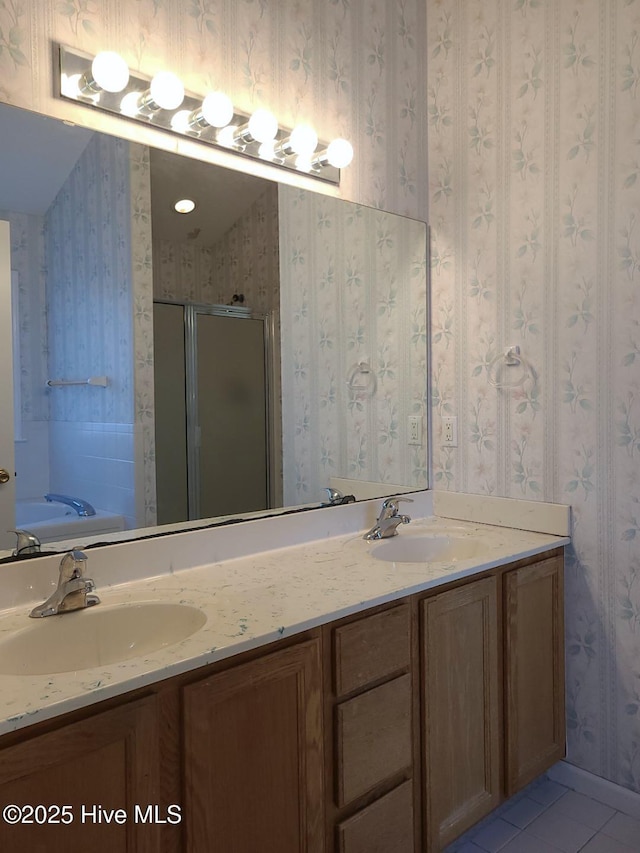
x: 391, y: 731
x: 108, y: 760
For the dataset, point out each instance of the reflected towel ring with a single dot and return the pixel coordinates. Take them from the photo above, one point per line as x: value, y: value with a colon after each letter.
x: 510, y: 357
x: 361, y: 380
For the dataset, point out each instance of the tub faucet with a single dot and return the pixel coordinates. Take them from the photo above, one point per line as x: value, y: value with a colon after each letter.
x: 388, y: 520
x: 83, y: 508
x: 73, y: 592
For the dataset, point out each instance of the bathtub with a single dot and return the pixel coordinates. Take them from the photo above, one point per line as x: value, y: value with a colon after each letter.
x: 55, y: 522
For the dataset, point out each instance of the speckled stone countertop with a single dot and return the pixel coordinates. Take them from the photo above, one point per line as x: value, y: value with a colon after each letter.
x: 251, y: 601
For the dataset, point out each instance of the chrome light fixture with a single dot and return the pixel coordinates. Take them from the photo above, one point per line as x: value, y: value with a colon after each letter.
x: 105, y: 82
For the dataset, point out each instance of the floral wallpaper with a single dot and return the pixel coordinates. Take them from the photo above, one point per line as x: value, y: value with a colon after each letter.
x: 353, y: 291
x: 141, y: 273
x: 244, y: 261
x: 534, y: 127
x: 88, y: 261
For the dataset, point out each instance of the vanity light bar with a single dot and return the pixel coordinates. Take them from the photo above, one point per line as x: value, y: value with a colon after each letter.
x: 105, y: 82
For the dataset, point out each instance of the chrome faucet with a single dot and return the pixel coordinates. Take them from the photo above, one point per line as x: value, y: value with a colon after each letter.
x: 28, y: 543
x: 336, y: 498
x: 388, y: 520
x: 73, y: 592
x: 83, y: 508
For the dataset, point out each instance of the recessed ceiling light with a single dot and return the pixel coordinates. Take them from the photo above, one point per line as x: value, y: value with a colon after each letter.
x: 185, y: 205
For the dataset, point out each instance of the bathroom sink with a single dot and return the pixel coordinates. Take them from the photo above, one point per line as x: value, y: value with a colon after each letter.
x: 426, y: 548
x: 98, y: 636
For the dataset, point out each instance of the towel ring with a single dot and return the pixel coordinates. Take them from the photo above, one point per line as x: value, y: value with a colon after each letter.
x: 361, y: 380
x: 510, y: 357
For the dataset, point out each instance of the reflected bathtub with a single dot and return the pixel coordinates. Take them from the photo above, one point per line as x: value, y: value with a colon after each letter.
x: 55, y: 522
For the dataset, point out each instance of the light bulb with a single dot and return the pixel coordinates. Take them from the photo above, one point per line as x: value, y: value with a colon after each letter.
x: 130, y: 104
x: 167, y: 90
x: 217, y: 109
x: 303, y: 140
x: 70, y: 86
x: 227, y: 136
x: 185, y: 205
x: 263, y: 126
x: 303, y: 163
x: 110, y: 71
x: 267, y: 150
x: 340, y: 153
x: 180, y: 121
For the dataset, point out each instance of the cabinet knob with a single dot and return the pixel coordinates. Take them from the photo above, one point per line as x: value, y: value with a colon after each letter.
x: 5, y: 476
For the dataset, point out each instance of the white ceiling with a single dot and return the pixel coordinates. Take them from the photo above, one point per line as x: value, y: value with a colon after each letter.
x: 221, y: 197
x: 37, y: 155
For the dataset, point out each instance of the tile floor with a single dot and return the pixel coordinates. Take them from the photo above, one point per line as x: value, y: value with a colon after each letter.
x: 547, y: 817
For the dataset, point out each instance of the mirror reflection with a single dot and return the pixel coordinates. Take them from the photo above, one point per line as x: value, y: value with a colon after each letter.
x: 170, y: 367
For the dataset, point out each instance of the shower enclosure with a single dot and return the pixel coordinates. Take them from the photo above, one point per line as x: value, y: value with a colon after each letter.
x: 214, y: 411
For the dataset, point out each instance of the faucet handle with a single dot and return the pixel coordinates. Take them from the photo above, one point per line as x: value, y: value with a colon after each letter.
x: 72, y: 564
x: 391, y: 504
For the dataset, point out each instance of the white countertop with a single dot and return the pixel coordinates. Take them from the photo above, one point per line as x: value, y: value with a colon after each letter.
x: 250, y: 601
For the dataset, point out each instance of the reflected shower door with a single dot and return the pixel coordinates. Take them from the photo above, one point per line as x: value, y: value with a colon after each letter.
x: 231, y: 414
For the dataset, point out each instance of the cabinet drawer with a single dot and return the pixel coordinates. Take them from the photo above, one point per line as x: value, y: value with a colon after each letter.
x: 385, y: 826
x: 371, y: 648
x: 373, y: 738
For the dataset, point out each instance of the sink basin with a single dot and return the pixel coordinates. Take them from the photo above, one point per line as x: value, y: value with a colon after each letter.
x: 98, y: 636
x: 426, y: 548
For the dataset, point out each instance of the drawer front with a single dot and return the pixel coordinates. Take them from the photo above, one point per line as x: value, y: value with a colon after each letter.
x: 371, y: 649
x: 373, y: 733
x: 385, y: 826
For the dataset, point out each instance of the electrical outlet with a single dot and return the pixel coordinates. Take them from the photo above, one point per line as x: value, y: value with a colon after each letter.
x: 414, y: 429
x: 449, y: 432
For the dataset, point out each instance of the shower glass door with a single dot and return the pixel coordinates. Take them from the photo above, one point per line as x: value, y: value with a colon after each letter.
x: 212, y: 411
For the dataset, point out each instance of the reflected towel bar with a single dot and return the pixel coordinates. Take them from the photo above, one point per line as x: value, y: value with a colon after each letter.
x: 101, y: 381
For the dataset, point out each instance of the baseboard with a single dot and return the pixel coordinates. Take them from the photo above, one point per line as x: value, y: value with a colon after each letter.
x: 619, y: 798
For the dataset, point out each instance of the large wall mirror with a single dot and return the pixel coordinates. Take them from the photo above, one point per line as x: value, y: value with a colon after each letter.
x: 172, y: 369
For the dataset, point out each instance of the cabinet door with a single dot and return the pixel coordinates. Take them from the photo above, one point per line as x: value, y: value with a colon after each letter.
x: 110, y: 760
x: 461, y: 693
x: 253, y: 756
x: 534, y: 669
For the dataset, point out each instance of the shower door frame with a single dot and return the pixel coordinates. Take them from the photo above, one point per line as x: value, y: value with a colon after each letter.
x: 272, y: 407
